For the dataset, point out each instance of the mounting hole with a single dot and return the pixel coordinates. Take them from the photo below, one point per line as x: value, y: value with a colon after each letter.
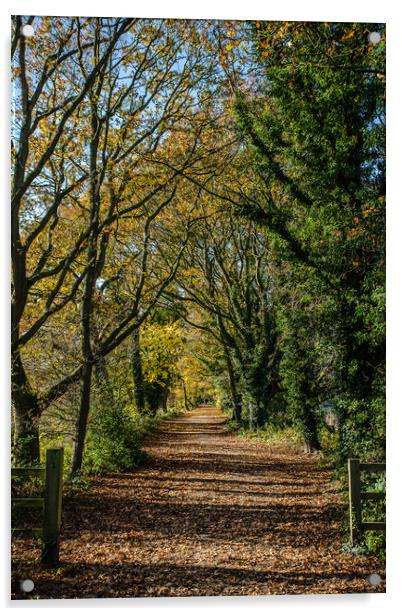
x: 27, y: 31
x: 27, y: 585
x: 374, y: 37
x: 374, y: 579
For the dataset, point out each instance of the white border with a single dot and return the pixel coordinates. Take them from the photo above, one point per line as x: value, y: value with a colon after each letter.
x: 314, y: 10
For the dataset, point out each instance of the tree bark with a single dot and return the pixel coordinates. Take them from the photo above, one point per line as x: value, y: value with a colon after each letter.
x: 87, y: 296
x: 258, y: 413
x: 234, y: 394
x: 257, y: 388
x: 27, y: 415
x: 186, y: 403
x: 105, y: 387
x: 82, y: 419
x: 136, y: 368
x: 310, y: 430
x: 165, y: 398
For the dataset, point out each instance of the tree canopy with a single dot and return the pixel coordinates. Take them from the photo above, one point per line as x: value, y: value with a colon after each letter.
x: 198, y: 213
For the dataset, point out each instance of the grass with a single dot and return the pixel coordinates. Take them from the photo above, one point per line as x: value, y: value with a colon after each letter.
x: 281, y: 438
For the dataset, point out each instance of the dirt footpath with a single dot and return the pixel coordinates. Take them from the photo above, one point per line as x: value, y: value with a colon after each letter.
x: 208, y: 513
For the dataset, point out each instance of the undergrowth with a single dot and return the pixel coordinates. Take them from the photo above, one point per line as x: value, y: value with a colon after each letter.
x: 113, y: 444
x: 282, y: 438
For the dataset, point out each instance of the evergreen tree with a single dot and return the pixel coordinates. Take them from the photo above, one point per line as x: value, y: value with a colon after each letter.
x: 316, y: 143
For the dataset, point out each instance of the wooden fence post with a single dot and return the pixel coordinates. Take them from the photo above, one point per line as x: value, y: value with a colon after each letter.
x: 355, y: 510
x: 52, y: 506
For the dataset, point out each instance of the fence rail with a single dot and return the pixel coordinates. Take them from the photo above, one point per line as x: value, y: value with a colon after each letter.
x: 356, y: 496
x: 50, y: 503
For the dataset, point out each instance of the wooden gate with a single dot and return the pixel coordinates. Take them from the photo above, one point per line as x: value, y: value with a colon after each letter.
x: 50, y: 504
x: 356, y: 496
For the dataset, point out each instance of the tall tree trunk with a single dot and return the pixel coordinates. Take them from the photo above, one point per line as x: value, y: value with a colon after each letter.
x: 87, y: 354
x: 262, y: 415
x: 136, y: 367
x: 82, y: 419
x: 27, y: 415
x: 88, y: 293
x: 105, y: 387
x: 88, y: 360
x: 257, y: 413
x: 234, y: 394
x: 186, y: 403
x: 310, y: 431
x: 165, y: 398
x: 256, y: 386
x: 252, y: 415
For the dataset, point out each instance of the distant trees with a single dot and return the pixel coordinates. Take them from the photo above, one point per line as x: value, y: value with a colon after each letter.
x: 225, y: 274
x: 155, y: 354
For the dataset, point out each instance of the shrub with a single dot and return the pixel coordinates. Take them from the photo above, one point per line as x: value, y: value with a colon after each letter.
x: 113, y: 440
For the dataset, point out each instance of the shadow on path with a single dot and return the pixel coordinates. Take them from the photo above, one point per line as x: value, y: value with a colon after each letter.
x: 208, y: 513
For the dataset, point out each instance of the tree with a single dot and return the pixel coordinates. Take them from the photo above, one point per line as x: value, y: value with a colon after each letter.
x: 317, y: 148
x: 162, y: 345
x: 121, y: 88
x: 218, y: 182
x: 48, y: 95
x: 225, y: 273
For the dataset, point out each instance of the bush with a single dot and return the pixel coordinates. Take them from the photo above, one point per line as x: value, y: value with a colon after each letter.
x: 115, y: 435
x: 113, y: 440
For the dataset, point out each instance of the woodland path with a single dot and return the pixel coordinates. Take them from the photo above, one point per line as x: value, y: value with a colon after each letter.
x: 208, y: 513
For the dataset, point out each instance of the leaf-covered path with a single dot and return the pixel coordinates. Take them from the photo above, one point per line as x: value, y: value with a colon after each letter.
x: 208, y: 513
